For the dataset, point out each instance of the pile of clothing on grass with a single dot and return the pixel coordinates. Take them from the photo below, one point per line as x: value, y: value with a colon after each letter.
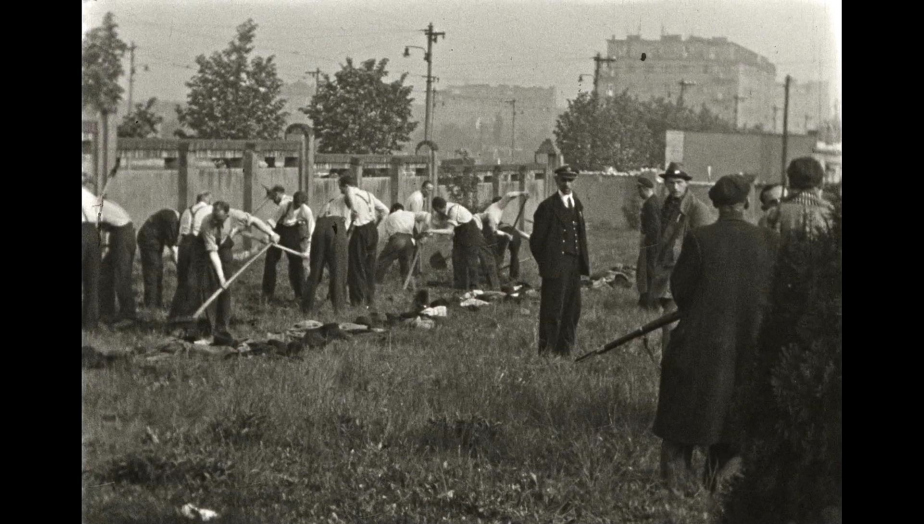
x: 616, y: 276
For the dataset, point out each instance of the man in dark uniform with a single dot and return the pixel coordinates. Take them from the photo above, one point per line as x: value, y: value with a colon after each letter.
x: 559, y: 245
x: 290, y: 223
x: 470, y: 253
x: 214, y: 259
x: 329, y: 248
x: 650, y: 224
x: 160, y: 230
x: 721, y: 284
x: 190, y: 225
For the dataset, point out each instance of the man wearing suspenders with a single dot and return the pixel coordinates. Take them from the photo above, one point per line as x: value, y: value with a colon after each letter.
x: 329, y: 249
x: 366, y: 213
x: 470, y: 253
x: 190, y: 225
x: 290, y: 223
x: 159, y: 230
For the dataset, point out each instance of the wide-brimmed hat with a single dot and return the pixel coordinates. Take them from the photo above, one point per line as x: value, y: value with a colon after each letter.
x: 566, y: 173
x: 674, y: 171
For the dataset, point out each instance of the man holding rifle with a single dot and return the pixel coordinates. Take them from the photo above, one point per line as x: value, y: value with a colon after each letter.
x: 721, y: 284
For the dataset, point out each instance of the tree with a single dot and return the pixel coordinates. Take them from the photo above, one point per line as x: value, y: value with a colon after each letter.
x: 142, y: 122
x: 359, y: 112
x: 232, y: 96
x: 596, y: 133
x: 102, y: 66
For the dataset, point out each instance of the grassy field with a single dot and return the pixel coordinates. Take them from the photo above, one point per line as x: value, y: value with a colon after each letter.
x: 462, y: 423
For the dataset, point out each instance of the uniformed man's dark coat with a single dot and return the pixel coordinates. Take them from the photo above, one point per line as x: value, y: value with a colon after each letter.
x: 721, y: 284
x: 545, y: 242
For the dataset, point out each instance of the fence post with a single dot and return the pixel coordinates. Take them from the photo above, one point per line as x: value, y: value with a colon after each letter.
x: 183, y: 175
x: 250, y: 165
x: 523, y: 172
x: 434, y: 178
x: 495, y: 182
x: 395, y: 174
x: 356, y: 169
x: 309, y: 166
x: 302, y: 161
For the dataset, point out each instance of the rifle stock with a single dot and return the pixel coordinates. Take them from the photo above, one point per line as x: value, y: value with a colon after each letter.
x: 644, y: 330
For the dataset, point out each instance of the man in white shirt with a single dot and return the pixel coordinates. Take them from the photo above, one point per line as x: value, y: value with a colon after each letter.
x: 402, y: 229
x: 293, y: 222
x: 362, y: 212
x: 214, y: 257
x: 500, y: 235
x: 416, y: 202
x: 190, y: 225
x: 115, y: 281
x: 470, y: 254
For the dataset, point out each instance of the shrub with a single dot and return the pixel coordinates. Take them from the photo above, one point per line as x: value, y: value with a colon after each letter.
x: 791, y: 404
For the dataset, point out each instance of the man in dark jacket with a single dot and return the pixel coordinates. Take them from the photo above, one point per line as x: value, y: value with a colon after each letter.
x: 648, y: 243
x: 160, y: 230
x: 680, y: 212
x: 722, y: 287
x: 559, y: 245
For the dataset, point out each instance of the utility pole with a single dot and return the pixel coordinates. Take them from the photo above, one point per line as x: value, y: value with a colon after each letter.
x: 131, y: 75
x: 738, y: 98
x: 316, y: 74
x: 785, y: 129
x: 683, y: 83
x: 597, y: 60
x: 513, y: 130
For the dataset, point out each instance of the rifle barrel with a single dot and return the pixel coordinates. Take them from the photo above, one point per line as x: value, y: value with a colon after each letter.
x: 647, y: 328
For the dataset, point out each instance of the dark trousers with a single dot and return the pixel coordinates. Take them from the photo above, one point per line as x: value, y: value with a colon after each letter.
x: 677, y: 461
x: 560, y: 309
x: 184, y: 258
x: 289, y: 236
x: 218, y: 313
x: 361, y: 269
x: 152, y: 272
x: 400, y: 247
x: 501, y: 244
x: 328, y: 249
x: 116, y: 274
x: 90, y: 266
x: 472, y: 257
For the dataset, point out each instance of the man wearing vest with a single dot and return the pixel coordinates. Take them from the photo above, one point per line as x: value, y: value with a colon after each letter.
x: 190, y: 225
x: 160, y: 230
x: 402, y: 229
x: 471, y: 255
x: 366, y: 212
x: 680, y: 212
x: 559, y: 245
x: 293, y: 223
x: 213, y: 261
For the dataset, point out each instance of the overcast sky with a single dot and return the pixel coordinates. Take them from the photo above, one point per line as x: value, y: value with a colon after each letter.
x: 524, y: 42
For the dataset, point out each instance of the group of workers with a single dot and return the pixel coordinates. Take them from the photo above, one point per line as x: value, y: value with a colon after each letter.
x: 717, y: 273
x: 343, y: 238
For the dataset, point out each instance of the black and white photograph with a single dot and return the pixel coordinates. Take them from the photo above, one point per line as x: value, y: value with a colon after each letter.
x: 512, y: 261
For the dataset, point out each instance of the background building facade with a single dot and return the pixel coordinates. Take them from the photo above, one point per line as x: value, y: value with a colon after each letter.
x: 734, y: 82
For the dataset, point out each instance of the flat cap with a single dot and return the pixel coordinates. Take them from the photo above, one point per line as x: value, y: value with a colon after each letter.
x: 645, y: 182
x: 730, y: 190
x: 566, y: 172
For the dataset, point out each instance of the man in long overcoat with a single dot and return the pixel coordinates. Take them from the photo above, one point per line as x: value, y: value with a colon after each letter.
x: 559, y: 245
x: 650, y: 223
x: 721, y: 284
x: 680, y: 212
